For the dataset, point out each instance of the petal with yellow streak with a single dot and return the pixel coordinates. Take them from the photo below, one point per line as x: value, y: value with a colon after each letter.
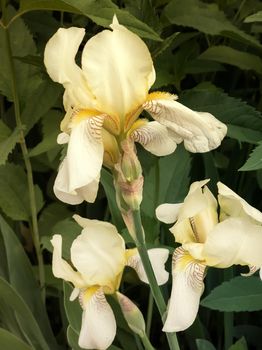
x: 187, y: 288
x: 98, y: 328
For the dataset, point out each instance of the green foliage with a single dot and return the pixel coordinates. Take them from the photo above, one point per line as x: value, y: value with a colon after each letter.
x: 239, y: 294
x: 209, y: 53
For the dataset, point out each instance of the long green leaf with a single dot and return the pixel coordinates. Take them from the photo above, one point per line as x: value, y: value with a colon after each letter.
x: 72, y: 308
x: 25, y: 318
x: 203, y: 344
x: 256, y: 17
x: 9, y: 341
x: 241, y: 344
x: 22, y: 278
x: 14, y: 198
x: 228, y: 55
x: 239, y: 294
x: 206, y: 18
x: 7, y: 145
x: 99, y: 11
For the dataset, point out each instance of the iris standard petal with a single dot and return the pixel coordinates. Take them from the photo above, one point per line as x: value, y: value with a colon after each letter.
x: 168, y: 212
x: 187, y: 288
x: 119, y: 70
x: 60, y: 268
x: 232, y: 204
x: 59, y: 59
x: 98, y: 253
x: 201, y: 132
x: 98, y: 327
x: 85, y: 152
x: 155, y: 138
x: 234, y: 241
x: 157, y: 257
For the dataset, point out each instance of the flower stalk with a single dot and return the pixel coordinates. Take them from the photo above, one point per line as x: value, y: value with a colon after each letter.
x: 158, y: 297
x: 29, y: 172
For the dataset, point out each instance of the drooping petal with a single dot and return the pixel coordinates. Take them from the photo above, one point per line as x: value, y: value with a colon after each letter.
x: 168, y: 212
x: 64, y: 194
x: 98, y: 253
x: 158, y: 258
x: 119, y: 70
x: 187, y: 288
x: 59, y: 59
x: 132, y: 314
x: 233, y: 205
x: 234, y: 241
x: 201, y: 132
x: 98, y: 327
x: 60, y: 268
x: 85, y: 152
x: 155, y: 138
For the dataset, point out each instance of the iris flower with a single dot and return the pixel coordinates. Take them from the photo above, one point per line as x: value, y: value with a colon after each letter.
x: 99, y: 257
x: 206, y: 241
x: 103, y: 101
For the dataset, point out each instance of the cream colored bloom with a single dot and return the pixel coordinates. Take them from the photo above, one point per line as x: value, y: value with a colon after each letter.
x: 103, y: 101
x: 99, y: 257
x: 236, y: 239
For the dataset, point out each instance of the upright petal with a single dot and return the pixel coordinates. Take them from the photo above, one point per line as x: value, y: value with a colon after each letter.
x: 234, y: 241
x: 85, y: 152
x: 59, y: 59
x: 187, y: 288
x: 119, y: 70
x: 98, y: 327
x: 232, y: 204
x: 168, y: 212
x: 155, y: 138
x: 61, y: 269
x: 201, y: 132
x: 158, y: 258
x: 99, y: 254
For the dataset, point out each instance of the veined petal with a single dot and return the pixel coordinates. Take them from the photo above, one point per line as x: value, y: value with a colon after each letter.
x: 59, y: 59
x: 60, y: 268
x: 119, y: 70
x: 157, y: 257
x: 201, y: 132
x: 85, y: 152
x: 234, y: 241
x: 98, y: 327
x: 168, y: 212
x: 233, y: 205
x: 155, y: 138
x: 98, y: 253
x: 187, y: 288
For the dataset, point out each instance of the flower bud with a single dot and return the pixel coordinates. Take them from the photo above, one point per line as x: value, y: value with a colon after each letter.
x: 132, y: 314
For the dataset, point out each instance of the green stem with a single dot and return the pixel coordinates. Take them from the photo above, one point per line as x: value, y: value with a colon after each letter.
x: 160, y: 302
x: 228, y: 316
x: 30, y: 181
x: 149, y: 313
x: 146, y: 343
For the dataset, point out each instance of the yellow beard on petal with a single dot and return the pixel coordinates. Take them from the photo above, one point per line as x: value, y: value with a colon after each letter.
x: 159, y: 95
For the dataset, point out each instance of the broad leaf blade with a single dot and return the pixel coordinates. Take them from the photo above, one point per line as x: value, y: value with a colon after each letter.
x: 9, y: 341
x: 239, y: 294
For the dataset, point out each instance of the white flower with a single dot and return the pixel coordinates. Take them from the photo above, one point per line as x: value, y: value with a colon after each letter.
x: 99, y: 257
x: 207, y: 242
x: 103, y: 101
